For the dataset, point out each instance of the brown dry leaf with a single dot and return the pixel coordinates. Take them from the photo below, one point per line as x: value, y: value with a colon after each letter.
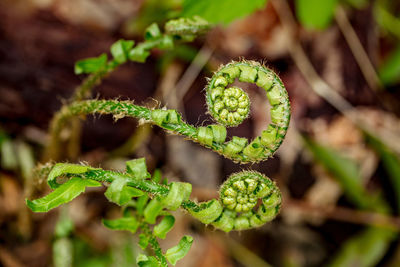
x: 10, y: 195
x: 215, y: 254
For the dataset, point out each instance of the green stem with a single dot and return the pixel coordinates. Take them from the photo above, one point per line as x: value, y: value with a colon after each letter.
x: 229, y: 106
x: 154, y: 243
x: 109, y: 176
x: 148, y: 186
x: 122, y: 109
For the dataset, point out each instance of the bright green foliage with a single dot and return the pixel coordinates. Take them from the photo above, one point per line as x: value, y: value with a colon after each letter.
x: 178, y: 192
x: 63, y: 194
x: 64, y: 168
x: 315, y: 14
x: 239, y: 194
x: 120, y: 193
x: 91, y: 65
x: 227, y: 106
x: 161, y: 229
x: 152, y: 210
x: 120, y: 50
x: 152, y: 32
x: 137, y: 168
x: 179, y: 251
x: 144, y: 261
x: 247, y: 199
x: 222, y: 11
x: 141, y: 204
x: 207, y: 212
x: 125, y: 223
x: 143, y: 241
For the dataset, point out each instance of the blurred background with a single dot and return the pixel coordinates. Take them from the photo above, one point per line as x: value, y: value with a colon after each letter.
x: 338, y: 168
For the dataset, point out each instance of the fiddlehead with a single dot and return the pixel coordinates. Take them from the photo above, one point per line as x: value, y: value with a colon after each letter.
x: 248, y: 199
x: 229, y: 106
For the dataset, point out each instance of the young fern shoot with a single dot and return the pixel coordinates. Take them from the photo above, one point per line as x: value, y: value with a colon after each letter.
x: 247, y: 199
x: 228, y: 106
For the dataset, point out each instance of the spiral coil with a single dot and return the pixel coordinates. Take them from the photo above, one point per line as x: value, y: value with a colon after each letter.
x: 248, y: 199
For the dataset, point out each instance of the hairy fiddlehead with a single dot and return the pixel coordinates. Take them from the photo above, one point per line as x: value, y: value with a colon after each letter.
x: 228, y: 106
x: 238, y: 207
x: 248, y: 199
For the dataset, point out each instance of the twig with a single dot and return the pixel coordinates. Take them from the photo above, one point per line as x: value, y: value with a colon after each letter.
x: 193, y: 71
x: 357, y: 49
x: 345, y: 214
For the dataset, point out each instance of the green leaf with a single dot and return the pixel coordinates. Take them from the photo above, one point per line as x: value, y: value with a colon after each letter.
x: 221, y: 11
x: 178, y: 193
x: 123, y: 224
x: 120, y: 50
x: 64, y: 168
x: 143, y: 241
x: 139, y: 54
x: 120, y: 193
x: 208, y: 211
x: 179, y: 251
x: 389, y: 71
x: 152, y: 210
x: 152, y: 32
x: 167, y: 43
x: 391, y: 162
x: 166, y: 224
x: 137, y: 168
x: 141, y: 203
x: 365, y: 249
x: 315, y: 14
x: 91, y: 65
x: 347, y: 174
x: 63, y: 194
x: 144, y: 261
x: 157, y: 176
